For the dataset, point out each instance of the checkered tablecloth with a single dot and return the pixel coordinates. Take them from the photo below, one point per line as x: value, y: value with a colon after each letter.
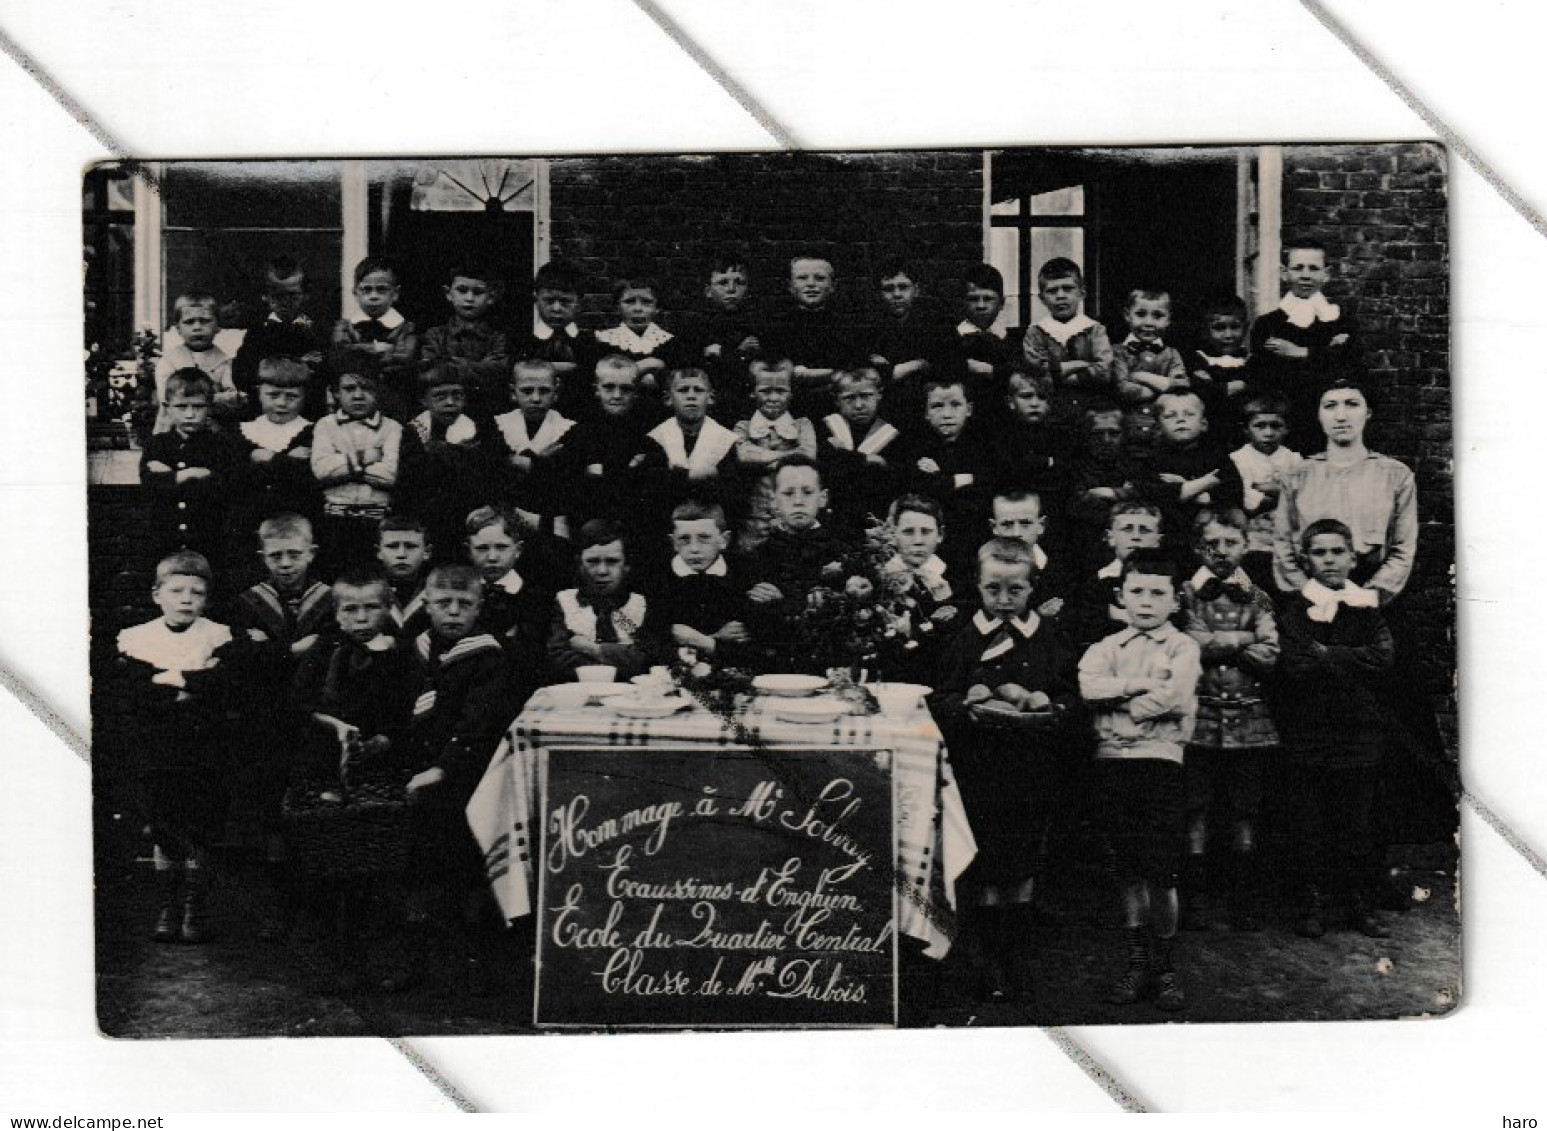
x: 934, y: 842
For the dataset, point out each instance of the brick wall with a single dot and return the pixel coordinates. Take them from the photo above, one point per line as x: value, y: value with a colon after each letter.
x: 667, y: 215
x: 1381, y: 210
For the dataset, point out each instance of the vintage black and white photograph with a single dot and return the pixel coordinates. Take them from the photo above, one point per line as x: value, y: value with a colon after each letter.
x: 808, y: 590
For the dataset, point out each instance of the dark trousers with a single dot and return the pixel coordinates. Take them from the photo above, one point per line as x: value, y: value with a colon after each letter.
x: 1332, y: 818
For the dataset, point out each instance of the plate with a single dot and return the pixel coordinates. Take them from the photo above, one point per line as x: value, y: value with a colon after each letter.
x: 810, y: 710
x: 601, y: 692
x: 789, y: 684
x: 656, y: 707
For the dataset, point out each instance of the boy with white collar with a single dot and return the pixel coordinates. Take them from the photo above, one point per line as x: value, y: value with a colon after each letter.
x: 987, y: 344
x: 1007, y: 690
x: 381, y: 338
x: 1068, y: 345
x: 1300, y: 346
x: 1233, y: 623
x: 856, y: 447
x: 515, y: 604
x: 455, y: 459
x: 1335, y: 647
x: 1144, y: 366
x: 1098, y: 608
x: 605, y: 620
x: 534, y: 433
x: 704, y: 605
x: 1017, y: 513
x: 689, y: 454
x: 762, y: 440
x: 555, y: 336
x: 1140, y: 686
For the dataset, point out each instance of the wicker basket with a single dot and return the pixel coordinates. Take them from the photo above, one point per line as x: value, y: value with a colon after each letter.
x: 365, y: 834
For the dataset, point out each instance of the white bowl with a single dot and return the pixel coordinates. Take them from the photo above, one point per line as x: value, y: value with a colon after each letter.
x: 789, y: 684
x: 899, y: 698
x: 810, y: 710
x: 569, y: 695
x: 596, y: 673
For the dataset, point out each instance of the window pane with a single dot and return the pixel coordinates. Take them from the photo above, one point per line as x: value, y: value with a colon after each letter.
x: 234, y: 194
x: 1060, y: 202
x: 1011, y: 207
x: 1004, y: 253
x: 1050, y: 243
x: 475, y: 186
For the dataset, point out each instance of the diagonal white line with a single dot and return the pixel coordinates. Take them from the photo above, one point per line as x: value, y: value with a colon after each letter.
x: 786, y: 139
x: 706, y: 63
x: 1431, y: 119
x: 78, y: 744
x: 434, y: 1075
x: 1096, y: 1071
x: 60, y: 95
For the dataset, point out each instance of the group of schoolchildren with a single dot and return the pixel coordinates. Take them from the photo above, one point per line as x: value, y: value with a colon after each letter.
x: 447, y: 520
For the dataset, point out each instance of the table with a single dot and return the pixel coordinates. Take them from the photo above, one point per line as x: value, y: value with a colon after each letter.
x: 934, y: 842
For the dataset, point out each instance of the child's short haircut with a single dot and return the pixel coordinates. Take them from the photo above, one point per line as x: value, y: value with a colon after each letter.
x: 729, y: 259
x: 495, y: 516
x: 556, y: 276
x: 184, y: 563
x: 775, y: 361
x: 635, y: 281
x: 1020, y: 370
x: 363, y: 577
x: 1224, y: 302
x: 688, y: 373
x: 371, y: 264
x: 394, y: 523
x: 469, y: 267
x: 455, y: 576
x: 896, y: 265
x: 440, y: 374
x: 1301, y: 243
x: 695, y: 510
x: 814, y: 255
x: 601, y: 532
x: 1264, y: 404
x: 944, y: 380
x: 287, y: 525
x: 1100, y: 406
x: 537, y: 365
x: 617, y: 363
x: 283, y: 373
x: 360, y: 365
x: 195, y: 298
x: 283, y: 267
x: 1153, y: 563
x: 985, y: 276
x: 1325, y: 526
x: 1145, y: 294
x: 916, y: 504
x: 189, y: 381
x: 1059, y: 268
x: 1008, y: 551
x: 857, y: 373
x: 1132, y: 507
x: 795, y: 459
x: 1233, y: 517
x: 1016, y: 495
x: 1182, y: 394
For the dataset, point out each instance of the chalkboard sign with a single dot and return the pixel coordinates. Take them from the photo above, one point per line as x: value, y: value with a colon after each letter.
x: 693, y: 887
